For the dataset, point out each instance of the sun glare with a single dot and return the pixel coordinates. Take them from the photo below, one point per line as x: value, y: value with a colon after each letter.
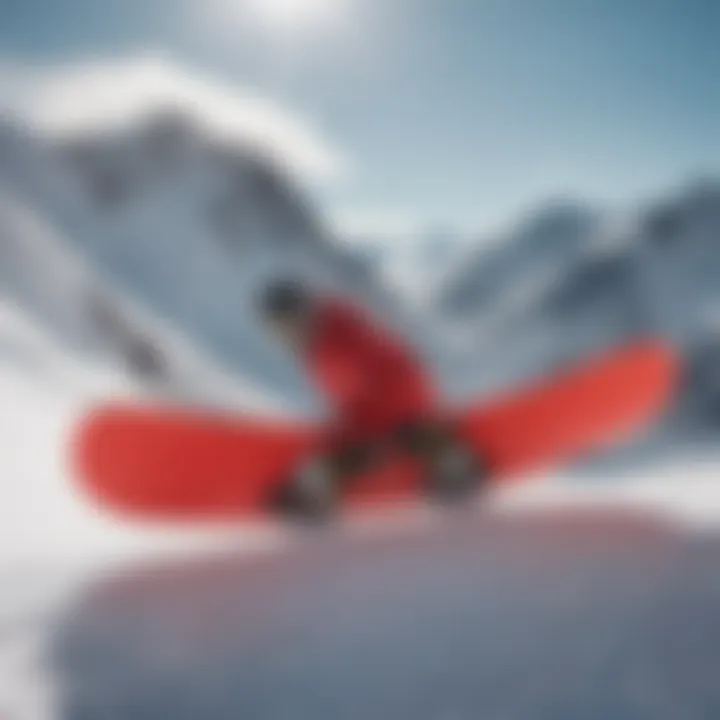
x: 296, y: 15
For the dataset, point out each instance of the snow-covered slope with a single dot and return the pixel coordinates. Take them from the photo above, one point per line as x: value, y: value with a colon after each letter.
x: 45, y: 280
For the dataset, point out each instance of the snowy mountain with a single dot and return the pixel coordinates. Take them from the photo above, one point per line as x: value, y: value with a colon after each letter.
x: 528, y: 256
x: 578, y: 281
x: 415, y: 262
x: 163, y: 229
x: 660, y: 275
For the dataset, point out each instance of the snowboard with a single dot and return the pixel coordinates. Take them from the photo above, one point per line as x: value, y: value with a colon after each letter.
x: 173, y: 463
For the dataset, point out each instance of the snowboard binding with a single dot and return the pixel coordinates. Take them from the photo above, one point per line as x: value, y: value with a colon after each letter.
x: 309, y: 497
x: 455, y: 476
x: 454, y: 473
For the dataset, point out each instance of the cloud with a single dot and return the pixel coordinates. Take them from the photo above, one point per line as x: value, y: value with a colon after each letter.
x: 101, y: 93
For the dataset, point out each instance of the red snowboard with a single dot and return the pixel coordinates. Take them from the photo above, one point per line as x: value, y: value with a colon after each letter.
x: 162, y: 463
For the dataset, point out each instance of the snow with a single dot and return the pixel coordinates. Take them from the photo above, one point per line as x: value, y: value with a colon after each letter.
x: 686, y: 494
x: 82, y: 96
x: 43, y: 520
x: 52, y: 540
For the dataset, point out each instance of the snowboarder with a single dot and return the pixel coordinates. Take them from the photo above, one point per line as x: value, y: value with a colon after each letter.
x: 383, y: 401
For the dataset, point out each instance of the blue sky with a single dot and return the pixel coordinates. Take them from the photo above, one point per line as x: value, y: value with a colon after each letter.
x: 451, y: 112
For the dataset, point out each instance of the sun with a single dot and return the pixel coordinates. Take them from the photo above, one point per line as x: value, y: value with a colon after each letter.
x: 296, y: 15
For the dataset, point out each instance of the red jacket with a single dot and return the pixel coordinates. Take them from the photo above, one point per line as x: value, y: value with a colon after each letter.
x: 373, y: 381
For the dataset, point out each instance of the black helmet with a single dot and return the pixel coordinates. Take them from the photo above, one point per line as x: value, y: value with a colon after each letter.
x: 284, y: 299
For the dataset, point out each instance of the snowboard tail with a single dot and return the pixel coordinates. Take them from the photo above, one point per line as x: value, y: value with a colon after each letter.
x: 179, y: 464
